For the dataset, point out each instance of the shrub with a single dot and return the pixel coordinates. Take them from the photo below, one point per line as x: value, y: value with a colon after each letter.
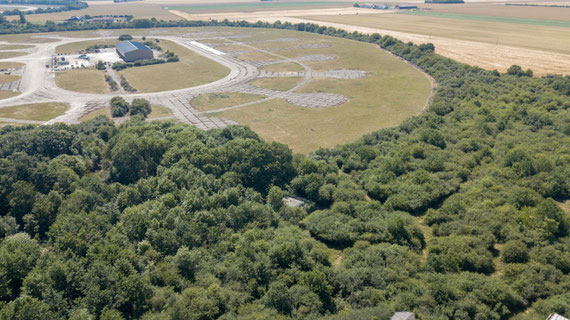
x: 119, y: 107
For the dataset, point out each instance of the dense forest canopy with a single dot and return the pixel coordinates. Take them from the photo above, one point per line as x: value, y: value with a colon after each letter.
x: 454, y: 214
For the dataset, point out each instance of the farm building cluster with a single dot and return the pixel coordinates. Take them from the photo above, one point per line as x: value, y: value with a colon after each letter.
x: 125, y: 51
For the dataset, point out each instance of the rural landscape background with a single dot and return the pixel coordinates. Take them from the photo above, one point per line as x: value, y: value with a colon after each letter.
x: 240, y: 159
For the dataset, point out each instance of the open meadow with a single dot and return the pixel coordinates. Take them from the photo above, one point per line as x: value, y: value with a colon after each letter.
x: 192, y: 70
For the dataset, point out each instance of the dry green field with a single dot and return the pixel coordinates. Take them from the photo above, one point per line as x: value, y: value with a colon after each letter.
x: 259, y: 6
x: 8, y: 78
x: 34, y: 111
x: 15, y: 46
x: 74, y: 47
x: 192, y: 70
x: 158, y: 111
x: 82, y: 80
x: 537, y: 37
x: 5, y: 94
x: 27, y: 38
x: 502, y: 10
x: 10, y: 65
x: 279, y: 84
x: 283, y: 67
x: 213, y: 101
x: 138, y: 9
x: 392, y: 92
x: 11, y: 54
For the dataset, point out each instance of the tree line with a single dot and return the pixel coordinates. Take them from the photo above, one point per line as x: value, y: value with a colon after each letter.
x: 454, y: 214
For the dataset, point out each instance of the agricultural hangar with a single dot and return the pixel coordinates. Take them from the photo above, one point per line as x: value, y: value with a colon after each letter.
x: 132, y: 51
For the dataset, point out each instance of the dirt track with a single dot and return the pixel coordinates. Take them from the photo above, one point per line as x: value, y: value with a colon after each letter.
x: 484, y: 55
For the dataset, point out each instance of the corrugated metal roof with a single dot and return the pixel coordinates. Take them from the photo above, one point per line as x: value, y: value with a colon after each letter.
x: 127, y: 46
x: 555, y: 316
x: 403, y: 316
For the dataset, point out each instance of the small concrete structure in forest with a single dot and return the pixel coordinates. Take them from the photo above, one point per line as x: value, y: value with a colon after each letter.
x: 132, y: 51
x: 403, y: 316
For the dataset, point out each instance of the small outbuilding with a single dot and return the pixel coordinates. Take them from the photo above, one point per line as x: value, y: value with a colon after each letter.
x: 403, y: 316
x: 132, y: 51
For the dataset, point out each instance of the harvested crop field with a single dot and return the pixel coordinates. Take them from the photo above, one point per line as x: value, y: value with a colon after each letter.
x: 502, y: 10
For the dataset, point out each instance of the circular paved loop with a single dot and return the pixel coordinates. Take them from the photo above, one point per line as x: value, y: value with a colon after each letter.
x: 38, y: 84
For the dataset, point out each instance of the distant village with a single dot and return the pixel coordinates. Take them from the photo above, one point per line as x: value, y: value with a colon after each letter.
x: 103, y: 19
x: 386, y: 6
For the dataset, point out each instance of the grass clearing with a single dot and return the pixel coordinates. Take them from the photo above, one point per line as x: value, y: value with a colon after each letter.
x: 502, y: 10
x: 544, y: 38
x: 485, y: 18
x: 74, y: 47
x: 192, y: 70
x: 10, y: 65
x: 279, y: 84
x: 15, y: 46
x: 257, y: 56
x: 82, y: 80
x: 27, y: 37
x: 158, y: 111
x: 138, y: 9
x: 34, y: 111
x: 11, y: 54
x: 283, y: 67
x: 391, y: 92
x: 8, y: 78
x: 213, y: 101
x: 5, y: 94
x: 257, y: 6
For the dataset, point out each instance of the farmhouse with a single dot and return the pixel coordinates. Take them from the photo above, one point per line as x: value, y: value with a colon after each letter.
x: 132, y: 51
x: 405, y: 7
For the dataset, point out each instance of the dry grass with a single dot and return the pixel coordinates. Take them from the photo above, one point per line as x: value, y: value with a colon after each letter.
x: 283, y: 67
x: 34, y: 111
x: 74, y: 47
x: 5, y: 94
x: 391, y: 92
x: 554, y: 39
x: 138, y: 9
x: 257, y: 56
x: 27, y: 38
x: 8, y: 78
x: 214, y: 101
x: 82, y: 80
x: 11, y: 54
x: 502, y: 10
x: 279, y: 84
x: 565, y: 206
x: 10, y: 65
x: 15, y: 46
x: 192, y: 70
x: 158, y: 111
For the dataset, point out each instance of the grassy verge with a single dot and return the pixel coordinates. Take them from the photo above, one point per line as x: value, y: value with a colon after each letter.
x: 283, y: 67
x: 213, y: 101
x: 10, y: 65
x: 4, y: 78
x: 5, y: 94
x: 391, y: 92
x: 158, y: 111
x: 82, y: 80
x: 279, y: 84
x: 11, y: 54
x: 15, y: 46
x: 192, y: 70
x: 74, y: 47
x: 34, y: 111
x: 474, y: 17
